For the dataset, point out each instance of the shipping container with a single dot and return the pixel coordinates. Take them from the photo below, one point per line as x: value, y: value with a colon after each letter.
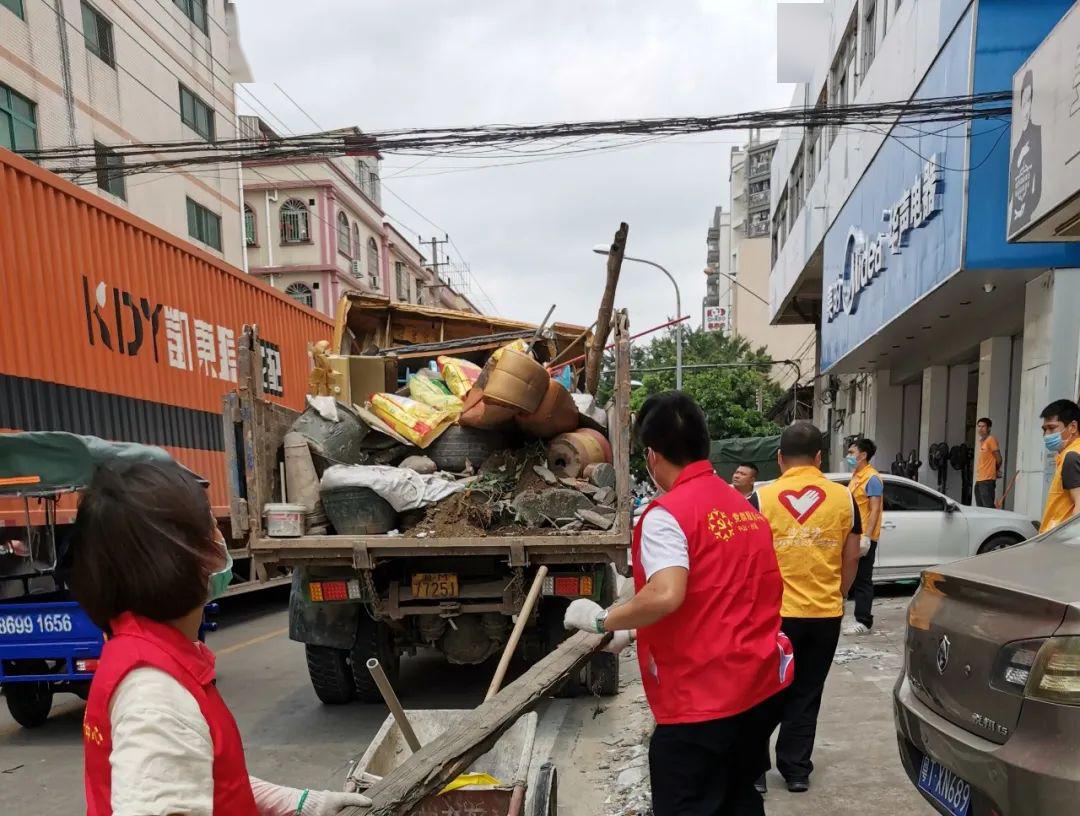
x: 113, y: 327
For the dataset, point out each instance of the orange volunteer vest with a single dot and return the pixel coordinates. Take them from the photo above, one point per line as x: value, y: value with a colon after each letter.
x: 1059, y: 503
x: 857, y: 488
x: 811, y: 519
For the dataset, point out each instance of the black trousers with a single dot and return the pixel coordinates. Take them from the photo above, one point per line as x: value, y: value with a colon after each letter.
x: 862, y: 588
x: 984, y: 493
x: 814, y: 641
x: 709, y: 768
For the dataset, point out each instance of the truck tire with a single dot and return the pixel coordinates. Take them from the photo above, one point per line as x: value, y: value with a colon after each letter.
x: 458, y: 445
x: 330, y: 675
x: 602, y: 671
x: 601, y: 674
x: 545, y: 797
x: 29, y: 703
x: 373, y: 639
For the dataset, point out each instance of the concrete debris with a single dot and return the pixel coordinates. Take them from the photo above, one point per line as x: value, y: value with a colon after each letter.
x: 601, y: 474
x: 421, y: 464
x: 849, y: 654
x: 578, y: 484
x: 605, y: 495
x: 573, y: 526
x: 534, y: 509
x: 545, y: 474
x: 631, y: 776
x: 594, y: 519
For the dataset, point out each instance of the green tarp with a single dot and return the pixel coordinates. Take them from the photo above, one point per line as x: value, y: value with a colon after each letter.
x: 727, y: 454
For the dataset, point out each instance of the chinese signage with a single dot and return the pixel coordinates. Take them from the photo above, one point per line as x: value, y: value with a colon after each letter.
x: 866, y: 257
x: 716, y: 318
x: 133, y: 326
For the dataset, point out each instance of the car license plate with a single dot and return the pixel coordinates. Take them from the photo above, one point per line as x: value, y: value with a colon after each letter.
x: 945, y: 787
x: 434, y: 585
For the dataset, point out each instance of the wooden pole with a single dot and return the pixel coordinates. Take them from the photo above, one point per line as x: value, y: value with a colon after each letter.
x: 1001, y: 502
x: 393, y: 703
x: 515, y: 635
x: 607, y: 303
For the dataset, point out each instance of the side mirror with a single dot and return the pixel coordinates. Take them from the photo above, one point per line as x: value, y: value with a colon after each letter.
x: 952, y: 507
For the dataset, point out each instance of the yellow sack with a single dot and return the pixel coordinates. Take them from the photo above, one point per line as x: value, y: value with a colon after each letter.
x: 470, y: 779
x: 418, y: 423
x: 430, y: 390
x: 459, y: 375
x: 521, y: 346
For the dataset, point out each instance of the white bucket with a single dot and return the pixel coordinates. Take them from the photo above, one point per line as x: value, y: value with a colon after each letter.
x: 284, y: 520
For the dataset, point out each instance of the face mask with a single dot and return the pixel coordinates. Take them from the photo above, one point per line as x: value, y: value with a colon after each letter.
x: 1054, y: 442
x: 851, y: 460
x: 652, y: 478
x: 219, y: 581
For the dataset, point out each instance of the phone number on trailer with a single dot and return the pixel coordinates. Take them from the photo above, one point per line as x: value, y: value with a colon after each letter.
x: 58, y: 622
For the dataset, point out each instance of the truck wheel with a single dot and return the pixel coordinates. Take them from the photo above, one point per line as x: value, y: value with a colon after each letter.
x: 373, y: 639
x: 29, y: 703
x: 545, y: 798
x: 602, y: 675
x: 330, y: 674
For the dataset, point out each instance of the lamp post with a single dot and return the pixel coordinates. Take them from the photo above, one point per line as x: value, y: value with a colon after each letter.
x: 601, y: 249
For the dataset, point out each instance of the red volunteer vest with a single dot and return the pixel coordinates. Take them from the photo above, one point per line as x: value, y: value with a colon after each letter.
x: 722, y: 651
x: 140, y: 642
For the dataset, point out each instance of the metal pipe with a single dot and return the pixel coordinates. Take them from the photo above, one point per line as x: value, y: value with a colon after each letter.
x: 515, y: 635
x: 392, y: 702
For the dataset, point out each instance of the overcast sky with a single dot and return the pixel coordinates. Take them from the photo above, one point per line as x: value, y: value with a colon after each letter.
x: 528, y: 231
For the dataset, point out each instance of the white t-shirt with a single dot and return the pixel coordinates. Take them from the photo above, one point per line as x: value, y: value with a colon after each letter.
x: 663, y: 543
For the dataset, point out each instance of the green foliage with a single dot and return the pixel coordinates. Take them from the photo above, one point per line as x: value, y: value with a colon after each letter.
x: 729, y: 395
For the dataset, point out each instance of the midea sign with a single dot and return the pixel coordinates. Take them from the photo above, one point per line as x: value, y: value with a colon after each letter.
x: 864, y: 259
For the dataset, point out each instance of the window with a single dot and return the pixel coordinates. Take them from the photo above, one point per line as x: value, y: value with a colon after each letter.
x: 194, y: 10
x: 110, y: 170
x: 902, y: 498
x: 97, y: 31
x: 356, y: 246
x: 869, y: 35
x: 196, y: 114
x: 301, y: 292
x: 373, y: 184
x: 344, y: 245
x: 249, y: 226
x: 401, y: 281
x: 373, y: 263
x: 203, y: 224
x: 18, y: 121
x: 294, y: 222
x: 15, y: 6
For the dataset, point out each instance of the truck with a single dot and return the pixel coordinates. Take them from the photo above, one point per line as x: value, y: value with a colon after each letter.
x: 357, y: 597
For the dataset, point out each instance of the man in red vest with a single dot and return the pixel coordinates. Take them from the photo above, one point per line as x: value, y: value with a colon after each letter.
x: 707, y: 616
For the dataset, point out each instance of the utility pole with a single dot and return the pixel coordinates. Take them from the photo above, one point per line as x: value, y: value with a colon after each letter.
x: 435, y: 262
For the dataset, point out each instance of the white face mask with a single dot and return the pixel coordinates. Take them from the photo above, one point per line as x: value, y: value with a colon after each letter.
x: 659, y: 490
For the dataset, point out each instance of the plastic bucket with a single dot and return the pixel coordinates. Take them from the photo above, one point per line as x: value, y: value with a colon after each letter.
x: 284, y: 520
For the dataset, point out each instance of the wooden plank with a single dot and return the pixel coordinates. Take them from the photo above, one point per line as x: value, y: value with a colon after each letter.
x: 443, y: 759
x: 621, y: 441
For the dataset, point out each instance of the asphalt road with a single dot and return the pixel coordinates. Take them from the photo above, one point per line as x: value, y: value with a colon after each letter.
x: 293, y: 739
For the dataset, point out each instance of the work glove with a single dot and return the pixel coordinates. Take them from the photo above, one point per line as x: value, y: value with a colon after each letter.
x: 329, y: 803
x: 581, y: 614
x: 619, y: 641
x: 278, y: 800
x: 864, y: 546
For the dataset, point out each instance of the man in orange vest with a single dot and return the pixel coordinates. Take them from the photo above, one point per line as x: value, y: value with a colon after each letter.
x: 707, y: 614
x: 988, y: 464
x: 816, y: 531
x: 1061, y: 435
x: 868, y: 491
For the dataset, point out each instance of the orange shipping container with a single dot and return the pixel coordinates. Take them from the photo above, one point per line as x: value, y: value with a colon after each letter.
x: 113, y: 327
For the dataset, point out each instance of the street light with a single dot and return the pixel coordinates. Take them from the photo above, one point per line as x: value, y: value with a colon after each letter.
x: 603, y: 249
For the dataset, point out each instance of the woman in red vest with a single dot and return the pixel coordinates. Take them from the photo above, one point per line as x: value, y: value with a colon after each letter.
x: 707, y: 615
x: 159, y: 739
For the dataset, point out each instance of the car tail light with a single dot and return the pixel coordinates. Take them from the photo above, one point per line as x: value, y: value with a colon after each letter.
x: 334, y: 590
x: 1055, y: 675
x: 569, y: 586
x: 87, y: 666
x: 1012, y: 672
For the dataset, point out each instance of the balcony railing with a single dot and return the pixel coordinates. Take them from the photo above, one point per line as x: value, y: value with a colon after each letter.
x: 760, y: 197
x: 755, y: 230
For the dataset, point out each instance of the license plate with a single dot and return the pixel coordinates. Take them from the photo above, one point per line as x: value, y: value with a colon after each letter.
x: 434, y: 585
x: 945, y: 787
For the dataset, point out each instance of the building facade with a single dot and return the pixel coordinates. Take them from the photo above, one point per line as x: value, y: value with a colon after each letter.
x: 892, y: 243
x: 716, y: 311
x: 110, y: 72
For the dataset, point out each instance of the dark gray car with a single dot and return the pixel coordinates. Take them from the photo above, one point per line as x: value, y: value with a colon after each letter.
x: 988, y: 705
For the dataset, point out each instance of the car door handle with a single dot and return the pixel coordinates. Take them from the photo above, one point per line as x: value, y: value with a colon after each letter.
x: 888, y: 525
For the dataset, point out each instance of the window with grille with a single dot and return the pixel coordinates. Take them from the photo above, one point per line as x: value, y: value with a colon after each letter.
x: 110, y: 170
x: 373, y: 262
x: 203, y: 224
x: 97, y: 31
x: 249, y: 226
x: 344, y: 244
x: 295, y: 222
x: 301, y: 292
x: 373, y: 185
x: 18, y: 121
x: 16, y: 6
x: 196, y: 114
x: 869, y: 36
x: 357, y: 248
x: 401, y: 281
x: 194, y: 10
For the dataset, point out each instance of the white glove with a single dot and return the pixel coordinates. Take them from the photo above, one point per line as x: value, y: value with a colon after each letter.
x: 278, y: 800
x: 581, y: 614
x: 329, y: 803
x: 864, y: 546
x: 619, y: 641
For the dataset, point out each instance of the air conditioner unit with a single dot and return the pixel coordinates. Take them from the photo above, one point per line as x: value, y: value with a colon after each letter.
x: 357, y: 268
x: 375, y: 283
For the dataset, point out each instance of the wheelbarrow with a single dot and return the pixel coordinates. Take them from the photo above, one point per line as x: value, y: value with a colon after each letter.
x: 497, y: 784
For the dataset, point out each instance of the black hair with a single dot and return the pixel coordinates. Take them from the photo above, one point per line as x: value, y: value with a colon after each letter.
x: 1027, y: 83
x: 750, y: 465
x: 989, y: 422
x: 674, y: 426
x: 1063, y: 410
x: 144, y: 543
x: 866, y: 446
x: 800, y: 440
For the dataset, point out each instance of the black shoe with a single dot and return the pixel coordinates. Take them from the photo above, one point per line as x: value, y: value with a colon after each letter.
x: 760, y: 786
x: 798, y: 785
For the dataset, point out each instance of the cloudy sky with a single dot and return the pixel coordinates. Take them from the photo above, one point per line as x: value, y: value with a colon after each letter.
x: 527, y: 231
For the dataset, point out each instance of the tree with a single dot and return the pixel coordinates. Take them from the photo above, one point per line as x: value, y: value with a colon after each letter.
x: 730, y: 395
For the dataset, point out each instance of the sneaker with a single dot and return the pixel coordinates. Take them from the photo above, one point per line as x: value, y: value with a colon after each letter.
x: 760, y: 785
x: 856, y: 628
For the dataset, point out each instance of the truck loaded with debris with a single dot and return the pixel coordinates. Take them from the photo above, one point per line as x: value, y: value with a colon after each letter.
x: 444, y: 457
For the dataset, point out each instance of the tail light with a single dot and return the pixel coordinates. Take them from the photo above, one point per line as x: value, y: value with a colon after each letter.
x: 569, y: 586
x: 334, y: 590
x: 1045, y: 669
x: 1012, y: 671
x: 88, y: 666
